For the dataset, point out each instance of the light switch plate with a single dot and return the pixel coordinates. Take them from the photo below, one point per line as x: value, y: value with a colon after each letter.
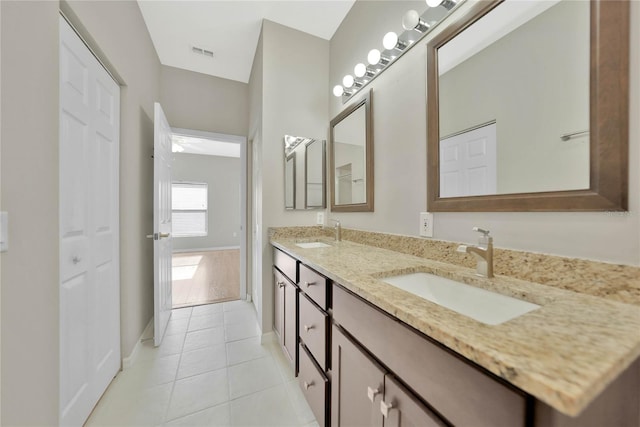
x: 4, y: 231
x: 426, y: 224
x: 320, y: 218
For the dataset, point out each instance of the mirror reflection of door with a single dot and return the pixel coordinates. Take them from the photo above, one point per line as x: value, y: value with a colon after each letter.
x: 349, y: 151
x: 305, y: 165
x: 344, y: 189
x: 290, y: 182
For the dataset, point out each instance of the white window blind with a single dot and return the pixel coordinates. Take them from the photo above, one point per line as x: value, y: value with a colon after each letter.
x: 189, y: 209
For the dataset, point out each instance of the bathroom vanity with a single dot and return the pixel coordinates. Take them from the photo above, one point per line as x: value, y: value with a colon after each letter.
x: 369, y: 353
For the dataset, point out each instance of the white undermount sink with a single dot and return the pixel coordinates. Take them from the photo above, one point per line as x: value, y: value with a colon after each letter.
x: 484, y: 306
x: 311, y: 245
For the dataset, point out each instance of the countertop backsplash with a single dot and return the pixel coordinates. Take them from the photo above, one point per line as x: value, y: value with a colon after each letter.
x: 615, y: 282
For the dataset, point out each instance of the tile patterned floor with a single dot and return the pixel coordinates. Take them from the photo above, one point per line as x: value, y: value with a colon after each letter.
x: 210, y: 370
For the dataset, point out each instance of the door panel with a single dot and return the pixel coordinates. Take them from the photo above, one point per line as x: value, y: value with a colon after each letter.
x: 468, y: 163
x: 357, y: 385
x: 89, y: 229
x: 162, y: 243
x: 406, y: 410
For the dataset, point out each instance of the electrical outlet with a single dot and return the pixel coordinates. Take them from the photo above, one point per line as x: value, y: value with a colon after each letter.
x: 426, y: 224
x: 320, y: 218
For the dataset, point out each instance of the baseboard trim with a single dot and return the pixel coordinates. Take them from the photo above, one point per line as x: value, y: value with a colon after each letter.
x: 219, y: 248
x: 128, y: 361
x: 267, y: 338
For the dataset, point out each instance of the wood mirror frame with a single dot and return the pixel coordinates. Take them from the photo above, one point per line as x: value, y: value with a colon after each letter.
x: 608, y: 122
x: 369, y: 190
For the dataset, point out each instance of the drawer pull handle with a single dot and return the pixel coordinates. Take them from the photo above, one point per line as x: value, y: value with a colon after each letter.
x: 371, y: 393
x: 385, y: 408
x: 307, y: 284
x: 307, y: 385
x: 281, y: 284
x: 308, y: 328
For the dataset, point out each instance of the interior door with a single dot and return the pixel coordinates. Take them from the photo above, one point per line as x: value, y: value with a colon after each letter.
x: 162, y: 242
x: 468, y: 163
x: 89, y: 229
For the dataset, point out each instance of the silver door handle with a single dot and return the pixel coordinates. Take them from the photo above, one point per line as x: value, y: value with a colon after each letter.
x: 149, y: 236
x: 158, y: 236
x: 164, y: 235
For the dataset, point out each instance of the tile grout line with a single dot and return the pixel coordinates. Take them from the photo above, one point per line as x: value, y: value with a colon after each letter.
x: 173, y: 383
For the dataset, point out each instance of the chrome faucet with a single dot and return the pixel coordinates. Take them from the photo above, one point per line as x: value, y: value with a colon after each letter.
x: 483, y: 253
x: 338, y: 229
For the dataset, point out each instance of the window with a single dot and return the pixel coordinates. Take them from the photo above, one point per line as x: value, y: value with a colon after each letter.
x: 189, y: 209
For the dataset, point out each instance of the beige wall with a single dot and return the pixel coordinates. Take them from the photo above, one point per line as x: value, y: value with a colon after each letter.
x: 222, y: 174
x: 294, y: 101
x: 200, y: 102
x: 30, y: 305
x: 399, y: 128
x: 30, y: 195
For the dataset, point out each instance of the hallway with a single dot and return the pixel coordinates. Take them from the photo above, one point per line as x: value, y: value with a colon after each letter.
x: 210, y: 370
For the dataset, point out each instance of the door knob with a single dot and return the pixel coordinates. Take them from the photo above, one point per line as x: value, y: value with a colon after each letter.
x: 75, y: 259
x: 308, y: 328
x: 164, y: 235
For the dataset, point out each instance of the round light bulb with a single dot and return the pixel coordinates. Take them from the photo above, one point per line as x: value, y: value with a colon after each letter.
x: 433, y: 3
x: 348, y: 80
x: 374, y: 56
x: 410, y: 20
x: 390, y: 40
x: 360, y: 70
x: 338, y: 90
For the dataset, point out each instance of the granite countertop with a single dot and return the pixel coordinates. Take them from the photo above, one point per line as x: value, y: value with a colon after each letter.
x: 564, y: 353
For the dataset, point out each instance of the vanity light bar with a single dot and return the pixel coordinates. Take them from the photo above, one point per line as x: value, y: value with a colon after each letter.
x: 416, y: 27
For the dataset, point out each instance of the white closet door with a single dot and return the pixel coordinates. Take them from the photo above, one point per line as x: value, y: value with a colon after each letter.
x: 89, y: 229
x: 468, y: 163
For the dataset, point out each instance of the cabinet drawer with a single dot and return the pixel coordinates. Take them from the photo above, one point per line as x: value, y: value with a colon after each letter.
x: 313, y: 330
x: 462, y: 393
x: 286, y: 264
x: 315, y: 285
x: 314, y: 385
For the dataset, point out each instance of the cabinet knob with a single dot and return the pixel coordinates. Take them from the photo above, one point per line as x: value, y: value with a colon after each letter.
x: 308, y: 384
x: 371, y: 393
x: 281, y: 284
x: 76, y: 259
x: 385, y: 408
x: 307, y: 284
x: 308, y: 328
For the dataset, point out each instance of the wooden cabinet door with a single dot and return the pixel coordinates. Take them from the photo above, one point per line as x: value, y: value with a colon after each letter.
x: 357, y: 385
x: 401, y: 409
x: 279, y: 284
x: 290, y: 335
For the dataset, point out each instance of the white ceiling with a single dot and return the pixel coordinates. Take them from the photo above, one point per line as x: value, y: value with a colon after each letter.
x: 230, y: 29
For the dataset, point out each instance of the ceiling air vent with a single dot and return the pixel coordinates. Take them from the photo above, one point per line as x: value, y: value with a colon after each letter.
x: 201, y: 51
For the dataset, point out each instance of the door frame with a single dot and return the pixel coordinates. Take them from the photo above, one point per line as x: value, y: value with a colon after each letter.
x: 242, y: 141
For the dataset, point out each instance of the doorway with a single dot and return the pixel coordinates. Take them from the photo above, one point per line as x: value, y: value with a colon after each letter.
x: 208, y: 217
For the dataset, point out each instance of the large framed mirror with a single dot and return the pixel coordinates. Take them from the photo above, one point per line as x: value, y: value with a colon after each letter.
x: 527, y: 107
x: 351, y: 158
x: 304, y: 173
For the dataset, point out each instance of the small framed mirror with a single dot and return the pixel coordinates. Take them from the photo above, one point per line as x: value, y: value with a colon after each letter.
x: 351, y: 158
x: 304, y: 173
x: 527, y: 107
